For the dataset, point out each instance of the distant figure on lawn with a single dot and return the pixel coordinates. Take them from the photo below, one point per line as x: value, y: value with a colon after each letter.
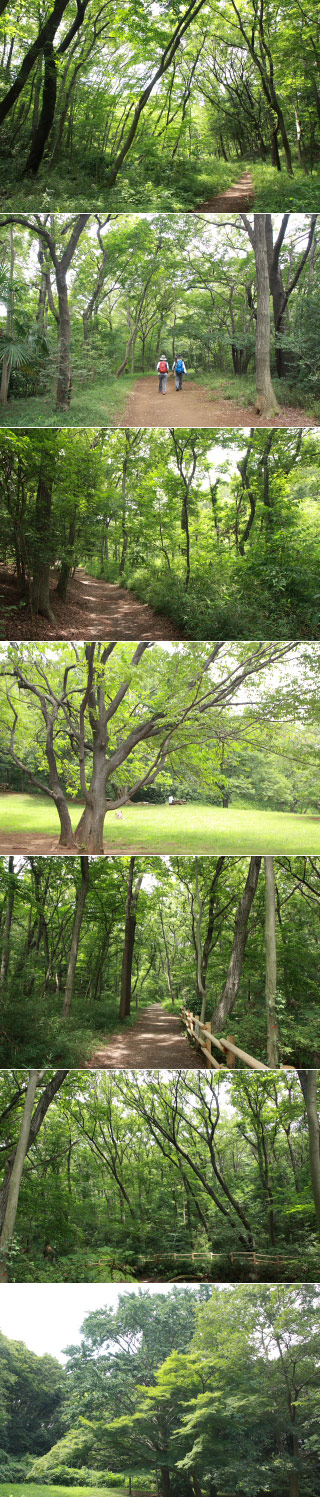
x: 179, y: 369
x: 163, y: 371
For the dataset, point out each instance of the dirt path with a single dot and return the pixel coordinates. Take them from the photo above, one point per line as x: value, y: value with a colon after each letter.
x: 95, y: 610
x: 157, y: 1040
x: 196, y: 406
x: 234, y: 199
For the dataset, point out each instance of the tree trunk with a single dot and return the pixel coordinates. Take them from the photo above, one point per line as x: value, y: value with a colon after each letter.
x: 271, y: 964
x: 63, y: 396
x: 49, y: 96
x: 129, y: 940
x: 231, y: 988
x: 40, y: 587
x: 266, y: 404
x: 17, y: 1168
x: 7, y: 360
x: 78, y: 918
x: 165, y: 1485
x: 35, y: 1123
x: 308, y: 1083
x: 170, y: 983
x: 5, y: 955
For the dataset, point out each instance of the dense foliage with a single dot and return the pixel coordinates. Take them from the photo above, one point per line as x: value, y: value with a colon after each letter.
x: 58, y: 997
x: 121, y: 289
x: 219, y: 529
x: 193, y: 97
x: 135, y: 1176
x: 191, y: 1391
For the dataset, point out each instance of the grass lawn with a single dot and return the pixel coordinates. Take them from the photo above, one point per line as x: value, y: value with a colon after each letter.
x: 28, y: 1488
x: 100, y: 404
x: 165, y: 829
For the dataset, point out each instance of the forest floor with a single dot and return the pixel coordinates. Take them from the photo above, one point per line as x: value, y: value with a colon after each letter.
x: 197, y: 406
x: 157, y: 1039
x: 238, y: 198
x: 94, y: 610
x: 29, y: 824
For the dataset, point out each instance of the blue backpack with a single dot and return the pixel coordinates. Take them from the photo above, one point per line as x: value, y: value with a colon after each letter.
x: 179, y: 366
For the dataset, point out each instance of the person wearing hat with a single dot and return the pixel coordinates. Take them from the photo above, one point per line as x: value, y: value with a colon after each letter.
x: 163, y: 371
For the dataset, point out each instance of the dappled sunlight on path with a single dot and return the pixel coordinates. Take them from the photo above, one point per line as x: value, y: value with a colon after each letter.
x: 157, y: 1039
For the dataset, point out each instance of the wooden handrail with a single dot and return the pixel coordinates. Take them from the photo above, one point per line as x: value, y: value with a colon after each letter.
x: 197, y: 1029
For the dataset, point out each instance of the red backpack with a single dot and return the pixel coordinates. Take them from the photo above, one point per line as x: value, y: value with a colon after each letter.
x: 163, y: 366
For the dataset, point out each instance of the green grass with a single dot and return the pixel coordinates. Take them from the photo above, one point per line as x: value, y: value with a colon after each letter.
x: 151, y: 184
x: 241, y: 389
x: 281, y: 191
x: 97, y: 404
x: 178, y: 829
x: 14, y: 1490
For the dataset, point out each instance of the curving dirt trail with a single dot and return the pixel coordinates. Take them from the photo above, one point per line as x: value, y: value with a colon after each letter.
x: 94, y: 610
x: 197, y: 406
x: 157, y: 1040
x: 234, y: 199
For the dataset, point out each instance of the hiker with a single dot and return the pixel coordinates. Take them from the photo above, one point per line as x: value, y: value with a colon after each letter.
x: 163, y: 371
x: 179, y: 369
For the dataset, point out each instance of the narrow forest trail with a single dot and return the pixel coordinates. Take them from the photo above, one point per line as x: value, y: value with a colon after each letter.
x: 234, y: 199
x: 94, y: 610
x: 197, y: 406
x: 157, y: 1039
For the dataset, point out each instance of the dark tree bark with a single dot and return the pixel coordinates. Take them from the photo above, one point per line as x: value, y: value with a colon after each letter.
x: 46, y: 119
x: 231, y: 988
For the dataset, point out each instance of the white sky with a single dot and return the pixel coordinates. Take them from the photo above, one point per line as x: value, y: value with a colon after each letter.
x: 48, y: 1317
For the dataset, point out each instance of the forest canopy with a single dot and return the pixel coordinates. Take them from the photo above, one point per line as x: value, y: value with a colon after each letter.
x: 217, y: 529
x: 101, y: 944
x: 88, y: 301
x: 195, y: 97
x: 218, y: 1391
x: 147, y: 1175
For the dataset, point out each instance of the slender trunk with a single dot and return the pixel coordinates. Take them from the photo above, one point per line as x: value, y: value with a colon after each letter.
x: 170, y: 983
x: 5, y: 955
x: 231, y: 988
x: 49, y: 95
x: 266, y: 404
x: 308, y: 1083
x: 63, y: 396
x: 271, y: 964
x: 74, y: 948
x: 7, y: 360
x: 35, y: 1123
x: 40, y: 587
x: 17, y: 1168
x: 129, y: 941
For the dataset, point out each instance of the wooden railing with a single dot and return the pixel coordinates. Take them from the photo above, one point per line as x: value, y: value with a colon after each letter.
x: 205, y: 1039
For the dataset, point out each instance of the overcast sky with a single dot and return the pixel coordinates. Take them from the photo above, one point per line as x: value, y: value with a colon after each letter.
x: 48, y: 1317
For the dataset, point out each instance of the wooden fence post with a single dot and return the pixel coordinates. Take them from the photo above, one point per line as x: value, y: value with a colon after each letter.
x: 230, y: 1056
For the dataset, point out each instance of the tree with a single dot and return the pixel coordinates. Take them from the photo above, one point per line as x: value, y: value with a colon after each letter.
x: 308, y: 1082
x: 129, y: 940
x: 61, y: 264
x: 271, y: 964
x: 85, y: 674
x: 31, y: 1123
x: 266, y: 399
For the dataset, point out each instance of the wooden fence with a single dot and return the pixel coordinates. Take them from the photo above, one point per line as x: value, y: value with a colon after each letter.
x: 205, y: 1039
